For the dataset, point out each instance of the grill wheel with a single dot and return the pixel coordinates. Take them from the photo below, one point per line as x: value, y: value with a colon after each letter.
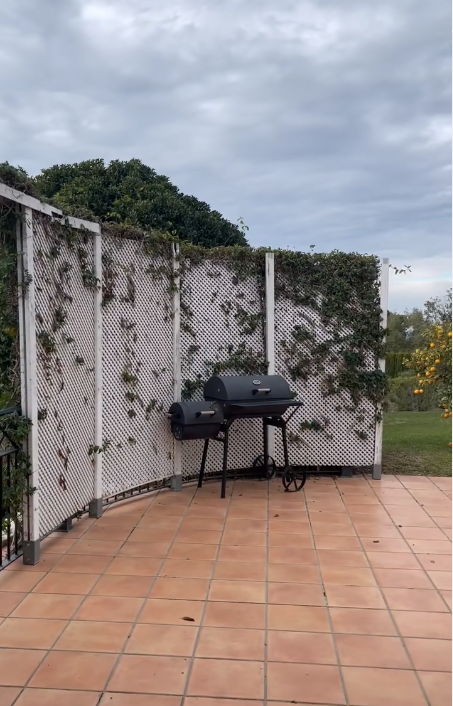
x: 266, y: 465
x: 293, y: 479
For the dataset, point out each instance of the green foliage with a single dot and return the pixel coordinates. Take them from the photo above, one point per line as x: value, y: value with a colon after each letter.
x: 401, y: 396
x: 17, y: 178
x: 433, y: 364
x: 394, y: 364
x: 405, y: 331
x: 93, y: 450
x: 9, y: 322
x: 128, y: 377
x: 241, y: 360
x: 416, y: 444
x: 245, y: 262
x: 439, y: 311
x: 314, y: 425
x: 190, y: 388
x: 47, y: 342
x: 14, y: 431
x: 60, y: 316
x: 342, y: 291
x: 133, y: 194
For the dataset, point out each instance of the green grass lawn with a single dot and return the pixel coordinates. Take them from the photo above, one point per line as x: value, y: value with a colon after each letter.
x: 417, y: 443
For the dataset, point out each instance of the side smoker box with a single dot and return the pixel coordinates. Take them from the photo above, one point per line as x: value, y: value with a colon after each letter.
x: 195, y: 420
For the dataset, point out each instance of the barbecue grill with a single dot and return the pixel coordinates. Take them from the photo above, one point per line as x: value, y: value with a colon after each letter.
x: 235, y: 397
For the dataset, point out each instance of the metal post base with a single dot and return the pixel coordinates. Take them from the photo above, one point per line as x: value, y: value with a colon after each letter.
x: 31, y: 552
x: 377, y: 471
x: 346, y: 472
x: 176, y: 483
x: 95, y: 508
x: 66, y: 525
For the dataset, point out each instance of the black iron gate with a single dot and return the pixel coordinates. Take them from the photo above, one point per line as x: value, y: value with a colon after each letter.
x: 13, y: 482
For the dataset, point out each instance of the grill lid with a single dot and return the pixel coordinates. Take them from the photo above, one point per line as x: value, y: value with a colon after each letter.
x: 247, y: 388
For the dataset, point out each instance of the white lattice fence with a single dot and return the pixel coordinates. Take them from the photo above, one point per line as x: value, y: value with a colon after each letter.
x: 146, y: 348
x: 215, y: 330
x: 326, y: 431
x: 65, y: 368
x: 138, y: 366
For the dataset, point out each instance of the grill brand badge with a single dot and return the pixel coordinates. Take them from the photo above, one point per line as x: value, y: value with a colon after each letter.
x: 257, y: 382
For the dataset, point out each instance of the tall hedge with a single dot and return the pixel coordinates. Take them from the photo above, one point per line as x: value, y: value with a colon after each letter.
x: 394, y: 364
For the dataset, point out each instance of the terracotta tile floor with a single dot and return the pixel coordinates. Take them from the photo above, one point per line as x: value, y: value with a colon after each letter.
x: 336, y: 595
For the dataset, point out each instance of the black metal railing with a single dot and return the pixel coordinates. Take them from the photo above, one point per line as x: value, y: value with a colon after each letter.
x: 10, y: 515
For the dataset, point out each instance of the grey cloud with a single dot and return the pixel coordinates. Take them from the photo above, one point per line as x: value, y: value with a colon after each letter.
x: 318, y: 123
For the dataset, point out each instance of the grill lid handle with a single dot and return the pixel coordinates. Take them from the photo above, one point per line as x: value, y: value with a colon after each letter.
x: 262, y: 390
x: 205, y: 413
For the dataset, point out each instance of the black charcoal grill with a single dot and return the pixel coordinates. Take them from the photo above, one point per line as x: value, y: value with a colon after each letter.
x: 234, y: 397
x: 247, y: 396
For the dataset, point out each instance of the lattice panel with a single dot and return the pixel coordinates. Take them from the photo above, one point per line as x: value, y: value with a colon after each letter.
x: 65, y: 370
x: 138, y: 367
x: 342, y: 438
x: 211, y: 301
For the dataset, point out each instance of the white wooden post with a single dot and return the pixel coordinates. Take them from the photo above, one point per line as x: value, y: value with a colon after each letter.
x: 270, y: 335
x: 95, y: 507
x: 27, y: 329
x: 21, y: 309
x: 377, y: 465
x: 176, y: 483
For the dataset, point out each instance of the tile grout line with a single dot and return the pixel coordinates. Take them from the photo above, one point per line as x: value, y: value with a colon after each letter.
x: 49, y: 571
x: 432, y: 518
x: 134, y: 623
x: 380, y: 503
x: 329, y: 617
x: 266, y: 599
x: 422, y: 568
x: 48, y: 651
x: 401, y: 638
x: 206, y: 601
x: 46, y: 572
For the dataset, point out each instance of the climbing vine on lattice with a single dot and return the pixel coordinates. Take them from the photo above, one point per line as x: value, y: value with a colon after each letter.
x: 342, y: 291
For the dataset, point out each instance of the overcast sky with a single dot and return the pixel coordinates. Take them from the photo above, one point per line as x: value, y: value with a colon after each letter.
x: 324, y: 123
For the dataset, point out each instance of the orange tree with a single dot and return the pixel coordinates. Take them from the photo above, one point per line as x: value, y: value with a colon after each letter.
x: 432, y: 365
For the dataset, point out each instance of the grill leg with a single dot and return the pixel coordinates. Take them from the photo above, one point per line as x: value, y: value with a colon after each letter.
x: 265, y: 441
x: 203, y: 463
x: 285, y: 444
x: 225, y: 463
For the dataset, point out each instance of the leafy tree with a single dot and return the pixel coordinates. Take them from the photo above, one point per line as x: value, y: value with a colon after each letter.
x: 133, y: 194
x: 437, y: 310
x: 432, y: 364
x: 405, y: 331
x: 432, y: 361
